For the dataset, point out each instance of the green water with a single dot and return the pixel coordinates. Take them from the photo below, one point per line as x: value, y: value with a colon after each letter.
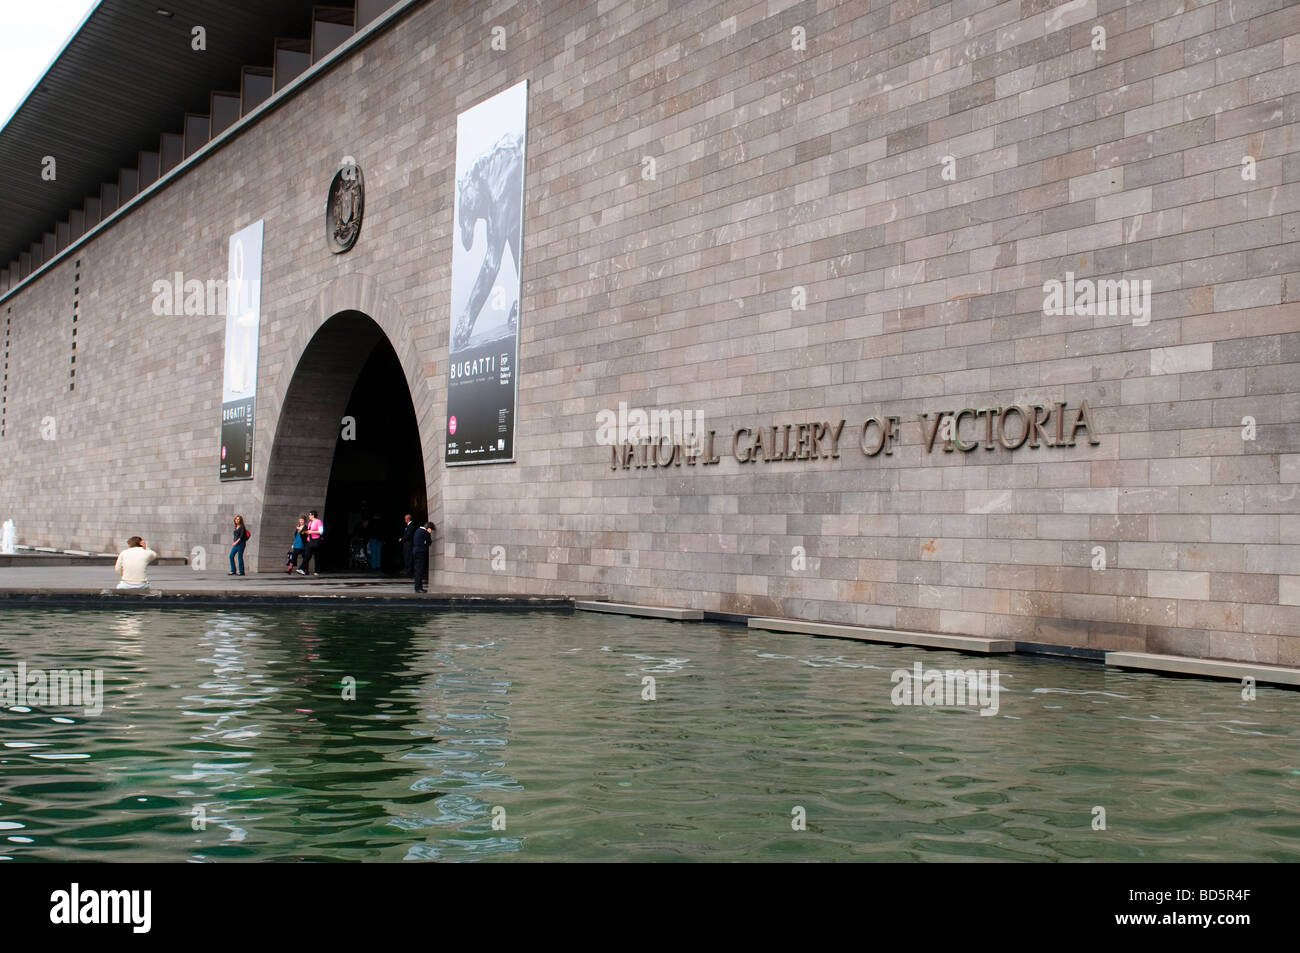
x: 499, y: 736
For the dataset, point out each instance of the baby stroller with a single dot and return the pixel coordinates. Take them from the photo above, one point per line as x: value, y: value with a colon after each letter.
x: 358, y: 554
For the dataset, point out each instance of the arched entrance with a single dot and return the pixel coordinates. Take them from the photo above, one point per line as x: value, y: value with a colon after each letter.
x: 369, y: 464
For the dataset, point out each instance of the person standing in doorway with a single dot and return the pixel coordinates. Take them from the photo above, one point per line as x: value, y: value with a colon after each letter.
x: 420, y: 555
x: 240, y: 538
x: 408, y: 540
x: 359, y: 545
x: 299, y: 544
x: 375, y: 542
x: 132, y: 564
x: 315, y: 531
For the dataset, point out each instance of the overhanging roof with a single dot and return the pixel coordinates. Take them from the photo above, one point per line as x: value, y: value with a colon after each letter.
x: 127, y: 76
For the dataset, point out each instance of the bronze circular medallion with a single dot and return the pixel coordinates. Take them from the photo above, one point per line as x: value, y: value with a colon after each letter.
x: 344, y: 208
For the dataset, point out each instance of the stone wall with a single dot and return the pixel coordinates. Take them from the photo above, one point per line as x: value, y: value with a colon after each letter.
x: 778, y: 171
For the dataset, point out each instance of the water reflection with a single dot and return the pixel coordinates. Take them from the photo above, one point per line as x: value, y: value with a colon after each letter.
x: 392, y: 735
x: 463, y: 708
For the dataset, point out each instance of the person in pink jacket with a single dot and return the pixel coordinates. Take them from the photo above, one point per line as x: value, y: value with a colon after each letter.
x: 315, y: 530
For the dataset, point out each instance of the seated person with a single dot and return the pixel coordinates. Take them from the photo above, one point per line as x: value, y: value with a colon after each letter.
x: 132, y: 564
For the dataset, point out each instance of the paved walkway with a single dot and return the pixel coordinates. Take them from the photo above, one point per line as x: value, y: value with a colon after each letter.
x: 96, y: 583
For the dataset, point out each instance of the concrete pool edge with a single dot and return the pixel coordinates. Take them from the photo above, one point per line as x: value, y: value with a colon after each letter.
x: 1170, y: 665
x: 236, y: 599
x: 1276, y: 675
x: 643, y: 612
x: 929, y: 640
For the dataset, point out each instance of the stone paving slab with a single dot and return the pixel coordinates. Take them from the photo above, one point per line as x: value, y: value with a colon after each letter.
x: 645, y: 612
x: 929, y: 640
x: 45, y: 559
x: 1208, y: 668
x: 179, y: 585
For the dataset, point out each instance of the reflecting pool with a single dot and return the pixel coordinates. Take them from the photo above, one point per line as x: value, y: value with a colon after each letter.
x: 391, y: 735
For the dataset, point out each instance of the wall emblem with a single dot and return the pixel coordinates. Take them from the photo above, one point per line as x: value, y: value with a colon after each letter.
x: 344, y: 208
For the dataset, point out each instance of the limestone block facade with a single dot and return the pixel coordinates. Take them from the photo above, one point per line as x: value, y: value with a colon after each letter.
x: 760, y: 213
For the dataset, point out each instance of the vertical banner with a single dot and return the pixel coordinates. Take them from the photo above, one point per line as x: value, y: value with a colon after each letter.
x: 243, y: 322
x: 487, y: 228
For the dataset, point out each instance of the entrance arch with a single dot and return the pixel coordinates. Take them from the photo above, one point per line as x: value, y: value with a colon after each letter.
x: 348, y: 368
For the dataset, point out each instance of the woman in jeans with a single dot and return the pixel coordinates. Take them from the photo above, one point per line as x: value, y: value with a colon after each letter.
x: 299, y: 544
x: 239, y: 539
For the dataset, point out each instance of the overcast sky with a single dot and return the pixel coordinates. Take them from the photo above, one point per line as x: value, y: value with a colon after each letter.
x: 32, y: 33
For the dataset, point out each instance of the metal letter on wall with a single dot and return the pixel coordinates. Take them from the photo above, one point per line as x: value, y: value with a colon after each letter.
x: 243, y: 323
x: 487, y: 230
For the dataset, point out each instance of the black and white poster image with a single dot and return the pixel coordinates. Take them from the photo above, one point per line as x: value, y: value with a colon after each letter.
x: 243, y: 327
x: 485, y: 278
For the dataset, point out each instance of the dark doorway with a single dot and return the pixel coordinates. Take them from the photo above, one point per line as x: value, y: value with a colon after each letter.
x: 378, y: 469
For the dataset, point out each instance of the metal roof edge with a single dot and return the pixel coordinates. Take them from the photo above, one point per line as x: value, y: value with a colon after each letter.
x: 63, y: 48
x: 314, y: 72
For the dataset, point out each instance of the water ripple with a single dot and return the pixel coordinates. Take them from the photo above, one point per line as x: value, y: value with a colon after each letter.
x: 403, y: 735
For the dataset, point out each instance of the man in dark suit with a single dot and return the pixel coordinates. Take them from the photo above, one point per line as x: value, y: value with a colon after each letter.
x: 420, y: 554
x: 408, y: 538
